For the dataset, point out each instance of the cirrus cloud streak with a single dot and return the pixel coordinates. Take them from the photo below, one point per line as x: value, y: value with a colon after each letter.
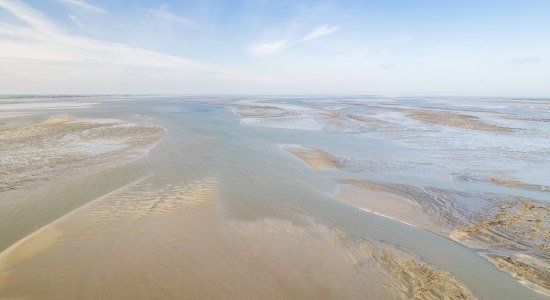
x: 280, y: 45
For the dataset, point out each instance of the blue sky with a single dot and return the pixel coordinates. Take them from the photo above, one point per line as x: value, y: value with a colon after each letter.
x: 470, y: 48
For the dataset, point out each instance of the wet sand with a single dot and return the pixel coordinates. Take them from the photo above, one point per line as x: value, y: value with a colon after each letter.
x: 514, y: 231
x: 533, y: 273
x: 515, y: 238
x: 153, y: 239
x: 508, y: 182
x: 221, y: 210
x: 317, y: 159
x: 452, y: 119
x: 63, y: 147
x: 370, y: 121
x: 159, y: 237
x: 384, y: 204
x: 39, y: 157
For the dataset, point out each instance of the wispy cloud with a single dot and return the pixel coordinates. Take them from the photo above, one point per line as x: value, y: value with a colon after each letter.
x: 279, y: 45
x: 163, y: 12
x: 270, y: 48
x: 527, y: 59
x: 76, y: 21
x: 26, y: 14
x: 39, y: 51
x: 85, y: 5
x: 319, y: 32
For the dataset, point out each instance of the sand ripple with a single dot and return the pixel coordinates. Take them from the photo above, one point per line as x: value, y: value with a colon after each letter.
x: 141, y: 199
x: 64, y: 147
x: 377, y: 269
x: 515, y: 228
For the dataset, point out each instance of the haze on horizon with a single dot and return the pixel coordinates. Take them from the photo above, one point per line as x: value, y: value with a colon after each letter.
x: 455, y: 48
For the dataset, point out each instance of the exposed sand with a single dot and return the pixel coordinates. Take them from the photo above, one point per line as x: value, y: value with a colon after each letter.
x: 260, y: 110
x: 529, y: 272
x: 300, y: 117
x: 162, y: 237
x: 112, y: 247
x: 371, y: 121
x: 58, y: 119
x: 518, y: 227
x: 451, y: 119
x: 508, y: 182
x: 417, y: 280
x: 384, y: 204
x: 317, y: 159
x: 64, y: 147
x: 385, y: 271
x: 38, y: 158
x: 331, y: 113
x: 514, y: 183
x: 154, y: 239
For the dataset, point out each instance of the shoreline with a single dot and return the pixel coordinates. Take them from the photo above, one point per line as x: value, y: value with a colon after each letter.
x: 380, y: 200
x: 374, y: 202
x: 50, y: 225
x: 55, y: 152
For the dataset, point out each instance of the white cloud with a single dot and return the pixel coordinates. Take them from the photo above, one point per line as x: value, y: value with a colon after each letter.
x: 164, y: 12
x: 85, y: 5
x: 269, y: 48
x: 26, y: 14
x: 277, y: 46
x: 319, y: 32
x: 40, y: 54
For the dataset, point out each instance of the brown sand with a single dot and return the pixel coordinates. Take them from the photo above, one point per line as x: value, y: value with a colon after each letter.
x: 153, y: 239
x: 62, y: 147
x: 517, y: 184
x: 451, y: 119
x: 417, y: 280
x: 522, y: 267
x: 523, y: 217
x: 497, y: 179
x: 335, y: 114
x: 380, y: 265
x: 142, y: 241
x: 381, y: 203
x: 45, y: 156
x: 317, y: 159
x: 370, y: 120
x: 515, y: 225
x: 58, y: 119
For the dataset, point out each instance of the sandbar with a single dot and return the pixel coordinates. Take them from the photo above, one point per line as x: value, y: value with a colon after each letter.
x: 451, y: 119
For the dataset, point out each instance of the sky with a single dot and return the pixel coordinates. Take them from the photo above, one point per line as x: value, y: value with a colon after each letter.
x: 401, y: 47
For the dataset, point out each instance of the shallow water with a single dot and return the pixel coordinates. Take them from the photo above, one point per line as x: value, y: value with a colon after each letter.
x: 236, y: 178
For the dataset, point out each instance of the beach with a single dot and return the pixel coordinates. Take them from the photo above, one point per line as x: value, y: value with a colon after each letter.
x: 170, y: 197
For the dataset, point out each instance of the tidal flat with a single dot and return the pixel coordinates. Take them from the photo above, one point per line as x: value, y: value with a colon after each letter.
x: 273, y: 197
